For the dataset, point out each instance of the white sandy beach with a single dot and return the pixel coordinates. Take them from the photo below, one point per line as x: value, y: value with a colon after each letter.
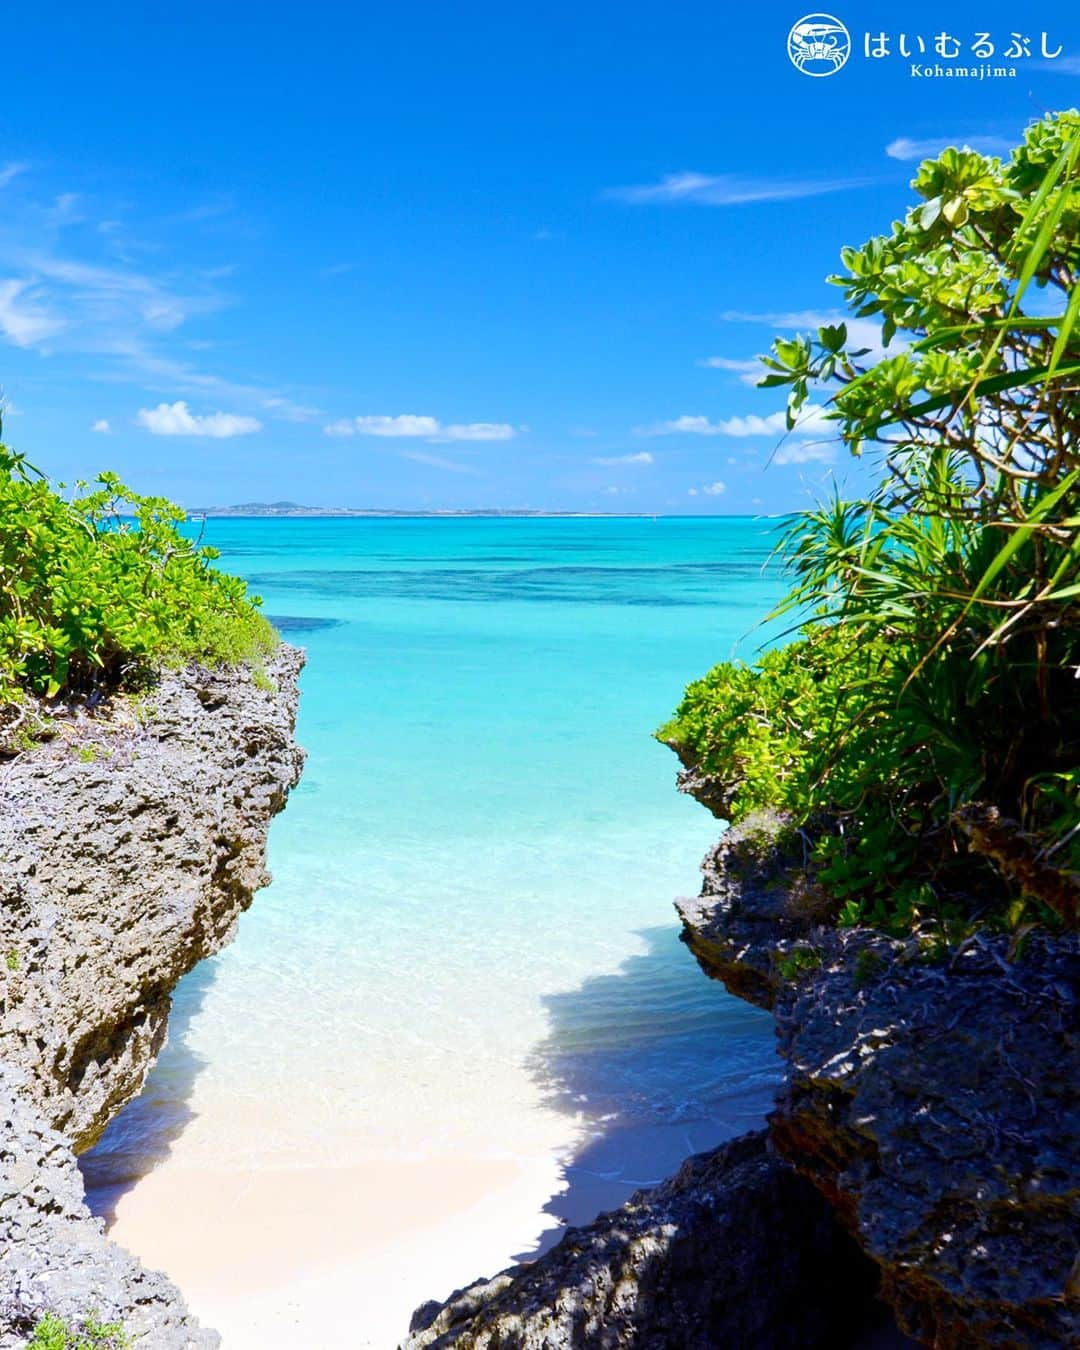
x: 327, y: 1258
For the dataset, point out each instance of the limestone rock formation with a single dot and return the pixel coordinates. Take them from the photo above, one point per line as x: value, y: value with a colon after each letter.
x: 129, y: 846
x: 125, y: 858
x: 758, y: 905
x: 56, y: 1258
x: 935, y: 1103
x: 735, y: 1250
x: 932, y: 1100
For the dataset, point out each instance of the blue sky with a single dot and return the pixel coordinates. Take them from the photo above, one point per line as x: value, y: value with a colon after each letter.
x: 431, y: 255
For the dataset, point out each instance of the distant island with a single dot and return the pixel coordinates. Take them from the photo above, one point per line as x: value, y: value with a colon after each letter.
x: 295, y: 509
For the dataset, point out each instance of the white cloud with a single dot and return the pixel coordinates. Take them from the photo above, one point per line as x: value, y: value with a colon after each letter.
x: 904, y: 148
x: 175, y: 419
x: 716, y: 489
x: 1063, y: 65
x: 692, y: 492
x: 415, y: 427
x: 10, y: 171
x: 686, y: 425
x: 862, y: 333
x: 775, y: 424
x: 64, y: 292
x: 102, y: 426
x: 290, y: 411
x: 611, y: 461
x: 805, y: 452
x: 162, y: 372
x: 23, y: 320
x: 728, y: 190
x: 116, y: 297
x: 405, y: 425
x: 477, y: 431
x: 437, y: 461
x: 812, y: 419
x: 342, y: 427
x: 749, y: 372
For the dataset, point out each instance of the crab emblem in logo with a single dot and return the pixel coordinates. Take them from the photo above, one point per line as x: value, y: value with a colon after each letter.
x: 818, y: 45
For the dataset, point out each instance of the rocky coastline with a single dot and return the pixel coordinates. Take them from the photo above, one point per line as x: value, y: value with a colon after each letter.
x: 130, y: 843
x: 919, y: 1170
x: 923, y: 1156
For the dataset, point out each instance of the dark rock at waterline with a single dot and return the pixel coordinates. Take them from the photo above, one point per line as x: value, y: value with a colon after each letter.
x: 932, y: 1101
x: 929, y: 1111
x: 735, y: 1250
x: 759, y: 904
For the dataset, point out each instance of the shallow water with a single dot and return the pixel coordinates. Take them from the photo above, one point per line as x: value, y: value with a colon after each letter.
x: 469, y: 947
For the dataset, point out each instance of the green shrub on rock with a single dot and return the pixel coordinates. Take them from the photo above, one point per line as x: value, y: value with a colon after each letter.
x: 53, y: 1333
x: 98, y: 588
x: 926, y: 725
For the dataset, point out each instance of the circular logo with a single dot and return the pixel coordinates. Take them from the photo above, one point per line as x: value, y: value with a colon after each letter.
x: 818, y: 45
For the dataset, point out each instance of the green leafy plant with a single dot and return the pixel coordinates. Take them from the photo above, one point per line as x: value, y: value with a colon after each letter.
x: 100, y: 587
x: 799, y: 961
x: 940, y: 765
x: 53, y: 1333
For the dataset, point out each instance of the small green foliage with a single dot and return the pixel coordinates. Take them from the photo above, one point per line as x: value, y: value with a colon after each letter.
x: 799, y: 961
x: 87, y: 754
x: 12, y: 960
x: 53, y: 1333
x: 261, y: 680
x: 766, y: 733
x: 99, y: 588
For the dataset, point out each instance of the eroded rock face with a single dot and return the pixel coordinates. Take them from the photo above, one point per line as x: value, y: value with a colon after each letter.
x: 936, y: 1104
x: 735, y: 1250
x: 55, y: 1257
x: 125, y: 858
x: 758, y: 904
x: 932, y: 1102
x: 129, y: 846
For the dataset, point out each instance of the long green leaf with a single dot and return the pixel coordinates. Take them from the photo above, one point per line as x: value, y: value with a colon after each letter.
x: 1021, y: 536
x: 1068, y: 323
x: 995, y: 384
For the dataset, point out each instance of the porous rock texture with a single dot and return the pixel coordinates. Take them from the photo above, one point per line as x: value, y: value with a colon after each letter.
x: 127, y: 853
x: 55, y: 1257
x: 735, y: 1250
x: 129, y: 845
x: 935, y: 1103
x: 759, y: 905
x: 932, y: 1100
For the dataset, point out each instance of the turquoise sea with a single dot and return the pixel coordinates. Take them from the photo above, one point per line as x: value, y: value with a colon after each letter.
x: 469, y: 946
